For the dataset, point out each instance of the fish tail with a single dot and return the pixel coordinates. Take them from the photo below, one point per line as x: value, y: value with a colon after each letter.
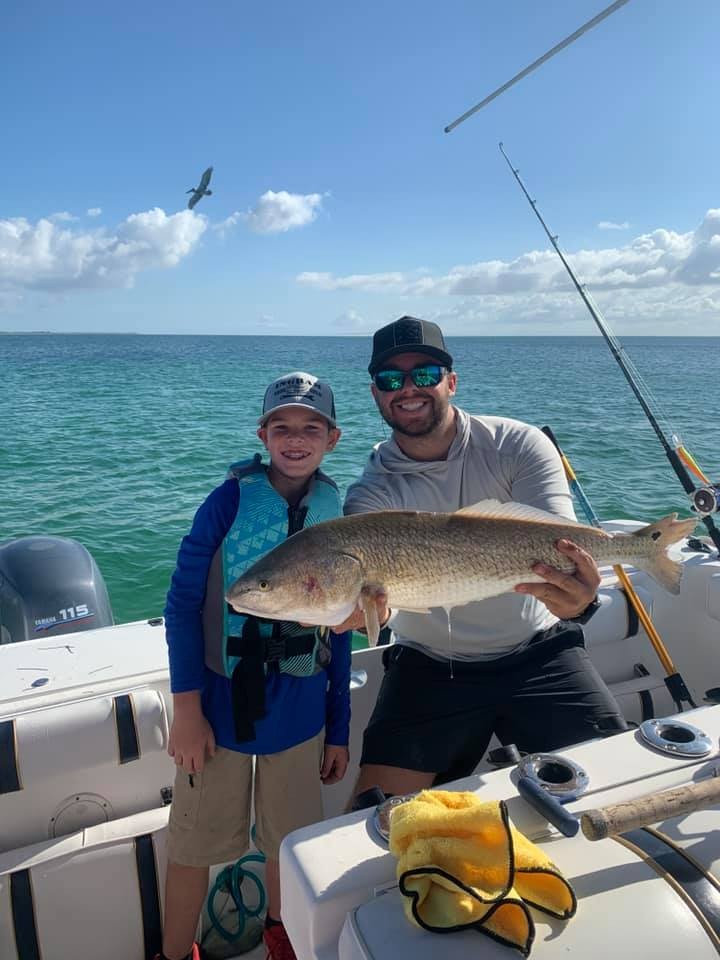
x: 660, y: 536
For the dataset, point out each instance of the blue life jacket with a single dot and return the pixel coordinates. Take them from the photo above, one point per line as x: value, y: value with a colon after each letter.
x: 263, y: 520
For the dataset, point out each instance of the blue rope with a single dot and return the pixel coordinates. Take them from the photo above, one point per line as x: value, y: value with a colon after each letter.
x: 230, y: 880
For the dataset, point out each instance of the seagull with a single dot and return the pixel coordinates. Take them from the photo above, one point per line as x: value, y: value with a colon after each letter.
x: 200, y: 191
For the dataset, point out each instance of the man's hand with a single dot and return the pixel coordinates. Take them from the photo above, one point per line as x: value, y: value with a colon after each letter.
x: 334, y: 763
x: 191, y: 736
x: 565, y: 594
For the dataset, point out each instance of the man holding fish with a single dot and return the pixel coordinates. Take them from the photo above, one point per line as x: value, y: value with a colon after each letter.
x: 461, y: 535
x: 508, y: 664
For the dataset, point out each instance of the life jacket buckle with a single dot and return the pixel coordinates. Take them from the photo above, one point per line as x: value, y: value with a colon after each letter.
x: 274, y: 648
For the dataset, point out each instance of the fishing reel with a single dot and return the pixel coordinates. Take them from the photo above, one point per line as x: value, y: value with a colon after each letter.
x: 706, y: 500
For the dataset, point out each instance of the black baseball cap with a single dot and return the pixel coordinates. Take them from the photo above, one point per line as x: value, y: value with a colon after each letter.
x: 408, y: 335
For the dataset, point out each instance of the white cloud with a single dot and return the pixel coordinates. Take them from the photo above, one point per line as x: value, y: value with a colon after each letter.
x: 351, y: 322
x: 673, y: 311
x: 268, y: 322
x: 275, y: 213
x: 62, y: 217
x: 46, y: 256
x: 229, y: 222
x: 610, y: 225
x: 395, y: 282
x: 282, y: 211
x: 94, y: 211
x: 652, y: 260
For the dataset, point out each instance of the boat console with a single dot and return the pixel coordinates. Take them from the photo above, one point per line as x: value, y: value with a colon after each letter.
x: 341, y: 900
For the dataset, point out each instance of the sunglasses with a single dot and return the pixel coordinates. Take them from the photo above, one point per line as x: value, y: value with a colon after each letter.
x: 428, y: 375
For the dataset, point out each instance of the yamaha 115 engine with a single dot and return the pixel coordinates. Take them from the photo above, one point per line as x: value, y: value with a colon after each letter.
x: 49, y: 586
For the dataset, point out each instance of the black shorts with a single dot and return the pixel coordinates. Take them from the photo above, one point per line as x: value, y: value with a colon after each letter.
x: 546, y: 697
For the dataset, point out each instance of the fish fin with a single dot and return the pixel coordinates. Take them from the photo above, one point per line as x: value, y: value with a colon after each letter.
x: 372, y: 624
x: 664, y: 533
x: 511, y: 509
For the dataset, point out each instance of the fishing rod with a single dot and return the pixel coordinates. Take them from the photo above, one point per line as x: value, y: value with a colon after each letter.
x: 705, y: 500
x: 673, y: 680
x: 540, y: 60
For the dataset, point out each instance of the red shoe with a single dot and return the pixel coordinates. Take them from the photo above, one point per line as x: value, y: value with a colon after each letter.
x: 195, y: 953
x: 278, y: 944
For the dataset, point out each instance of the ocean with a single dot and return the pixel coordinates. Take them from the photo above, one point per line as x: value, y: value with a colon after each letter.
x: 115, y: 440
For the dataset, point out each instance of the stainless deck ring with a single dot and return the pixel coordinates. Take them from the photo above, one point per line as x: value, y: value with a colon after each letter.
x: 676, y: 738
x: 380, y: 819
x: 560, y: 776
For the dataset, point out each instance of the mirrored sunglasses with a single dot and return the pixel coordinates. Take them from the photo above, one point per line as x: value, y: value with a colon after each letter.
x: 429, y: 375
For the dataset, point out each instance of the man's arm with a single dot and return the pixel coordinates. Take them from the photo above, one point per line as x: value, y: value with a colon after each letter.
x: 541, y: 482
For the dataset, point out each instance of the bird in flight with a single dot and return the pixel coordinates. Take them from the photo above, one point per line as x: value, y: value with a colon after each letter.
x: 201, y: 190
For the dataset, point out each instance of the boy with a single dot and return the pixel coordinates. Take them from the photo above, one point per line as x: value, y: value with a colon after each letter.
x: 244, y: 688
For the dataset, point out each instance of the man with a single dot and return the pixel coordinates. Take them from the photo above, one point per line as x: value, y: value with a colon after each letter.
x: 513, y: 665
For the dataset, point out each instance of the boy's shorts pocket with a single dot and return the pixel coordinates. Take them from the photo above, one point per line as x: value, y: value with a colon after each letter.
x: 186, y: 799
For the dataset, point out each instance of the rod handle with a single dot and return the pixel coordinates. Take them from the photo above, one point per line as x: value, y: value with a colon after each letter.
x: 621, y: 817
x: 548, y: 806
x: 549, y: 433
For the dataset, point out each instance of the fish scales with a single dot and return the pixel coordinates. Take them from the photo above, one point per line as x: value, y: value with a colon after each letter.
x: 449, y: 559
x: 421, y: 560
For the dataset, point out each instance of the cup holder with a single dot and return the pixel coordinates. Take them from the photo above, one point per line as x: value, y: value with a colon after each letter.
x: 559, y: 776
x: 676, y: 738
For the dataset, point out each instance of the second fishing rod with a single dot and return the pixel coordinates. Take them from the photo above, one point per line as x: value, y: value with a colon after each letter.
x: 697, y: 496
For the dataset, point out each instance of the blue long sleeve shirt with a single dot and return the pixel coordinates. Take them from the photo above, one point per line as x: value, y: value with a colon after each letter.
x: 297, y: 708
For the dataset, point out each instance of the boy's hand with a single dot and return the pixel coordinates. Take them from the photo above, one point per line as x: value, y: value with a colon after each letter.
x: 191, y: 736
x: 356, y: 620
x: 334, y: 763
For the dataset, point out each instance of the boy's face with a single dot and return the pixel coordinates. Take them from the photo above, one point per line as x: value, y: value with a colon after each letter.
x: 297, y: 440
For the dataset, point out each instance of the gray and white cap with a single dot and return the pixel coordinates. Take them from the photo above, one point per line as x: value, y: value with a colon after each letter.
x: 299, y: 389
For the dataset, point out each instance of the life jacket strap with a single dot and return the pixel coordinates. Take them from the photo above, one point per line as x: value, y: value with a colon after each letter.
x: 271, y: 648
x: 247, y: 684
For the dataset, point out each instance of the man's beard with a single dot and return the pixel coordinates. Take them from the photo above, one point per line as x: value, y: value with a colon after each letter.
x: 420, y: 428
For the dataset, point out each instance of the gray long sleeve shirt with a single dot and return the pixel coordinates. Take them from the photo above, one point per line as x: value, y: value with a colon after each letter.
x: 491, y: 458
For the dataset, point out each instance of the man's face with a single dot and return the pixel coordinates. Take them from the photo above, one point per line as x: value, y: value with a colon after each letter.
x: 414, y: 411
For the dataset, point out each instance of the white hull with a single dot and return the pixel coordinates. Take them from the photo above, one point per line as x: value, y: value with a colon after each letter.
x: 69, y: 830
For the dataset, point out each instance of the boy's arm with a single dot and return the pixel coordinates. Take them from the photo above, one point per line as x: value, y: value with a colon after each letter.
x: 337, y: 701
x: 185, y: 599
x: 191, y: 736
x: 336, y: 755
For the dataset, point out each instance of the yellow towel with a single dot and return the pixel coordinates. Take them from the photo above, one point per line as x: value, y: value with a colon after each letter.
x: 461, y: 864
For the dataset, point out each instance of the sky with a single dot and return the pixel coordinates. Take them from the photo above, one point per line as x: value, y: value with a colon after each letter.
x: 338, y: 201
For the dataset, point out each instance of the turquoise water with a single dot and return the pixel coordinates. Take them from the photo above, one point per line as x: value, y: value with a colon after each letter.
x: 115, y: 440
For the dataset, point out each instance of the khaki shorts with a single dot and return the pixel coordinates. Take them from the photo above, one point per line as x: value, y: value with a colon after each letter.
x: 210, y: 820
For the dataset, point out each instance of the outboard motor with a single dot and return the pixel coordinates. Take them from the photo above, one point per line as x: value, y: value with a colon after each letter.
x: 49, y: 586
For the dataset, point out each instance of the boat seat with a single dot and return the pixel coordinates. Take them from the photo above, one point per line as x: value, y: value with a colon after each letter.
x: 94, y: 893
x: 623, y: 655
x: 89, y: 761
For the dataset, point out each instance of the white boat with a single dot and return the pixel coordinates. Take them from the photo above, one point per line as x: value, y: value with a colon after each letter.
x: 85, y: 783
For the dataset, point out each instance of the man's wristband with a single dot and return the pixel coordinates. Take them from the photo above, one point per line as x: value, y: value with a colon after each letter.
x: 589, y: 611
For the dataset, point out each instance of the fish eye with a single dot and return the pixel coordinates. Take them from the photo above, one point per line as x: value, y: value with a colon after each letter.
x: 264, y: 585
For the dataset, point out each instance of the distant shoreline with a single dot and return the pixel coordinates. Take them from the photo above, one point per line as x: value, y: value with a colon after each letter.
x: 358, y: 336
